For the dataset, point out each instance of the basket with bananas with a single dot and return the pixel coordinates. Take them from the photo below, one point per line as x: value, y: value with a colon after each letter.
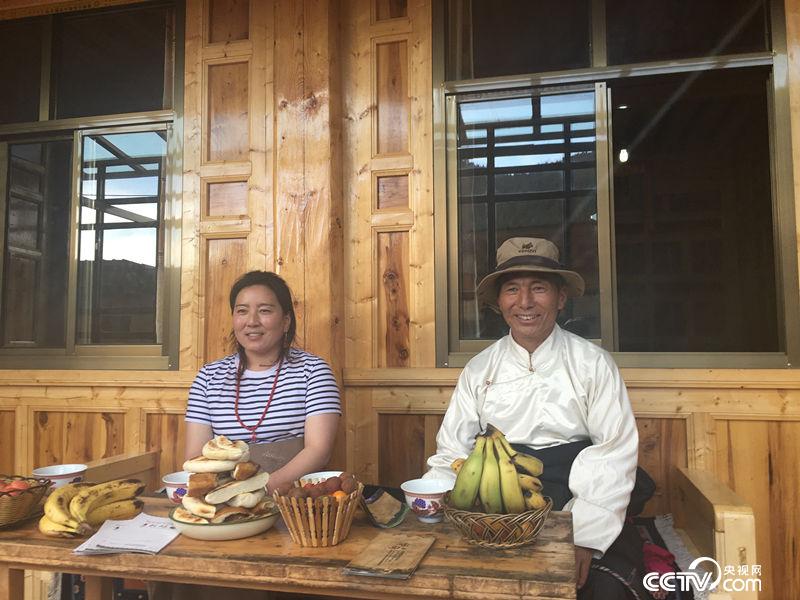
x: 496, y: 501
x: 78, y: 509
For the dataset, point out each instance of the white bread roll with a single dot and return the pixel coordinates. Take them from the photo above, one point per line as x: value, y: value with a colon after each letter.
x: 181, y: 514
x: 234, y: 488
x: 198, y: 507
x: 248, y: 499
x: 221, y: 448
x: 201, y: 464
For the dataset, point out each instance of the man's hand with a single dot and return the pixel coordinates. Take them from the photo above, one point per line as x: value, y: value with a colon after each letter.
x: 583, y: 559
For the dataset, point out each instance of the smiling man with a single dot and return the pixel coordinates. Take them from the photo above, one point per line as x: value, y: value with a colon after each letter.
x: 560, y: 397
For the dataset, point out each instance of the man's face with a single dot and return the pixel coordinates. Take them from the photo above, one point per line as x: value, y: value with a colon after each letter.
x: 530, y: 305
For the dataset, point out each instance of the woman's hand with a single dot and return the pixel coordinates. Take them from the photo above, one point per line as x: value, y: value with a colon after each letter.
x: 583, y: 560
x: 319, y: 437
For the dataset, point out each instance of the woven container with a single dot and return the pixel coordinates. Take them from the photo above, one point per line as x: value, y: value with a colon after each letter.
x: 17, y: 505
x: 498, y: 531
x: 318, y: 522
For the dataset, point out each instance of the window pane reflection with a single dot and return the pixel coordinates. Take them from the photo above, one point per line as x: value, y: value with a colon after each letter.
x: 693, y: 214
x: 36, y: 240
x: 118, y: 272
x: 533, y: 176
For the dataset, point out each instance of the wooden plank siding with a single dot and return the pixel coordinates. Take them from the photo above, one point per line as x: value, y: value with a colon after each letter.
x: 308, y: 150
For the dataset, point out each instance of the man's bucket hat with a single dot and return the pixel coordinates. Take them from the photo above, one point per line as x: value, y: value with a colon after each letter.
x: 534, y: 255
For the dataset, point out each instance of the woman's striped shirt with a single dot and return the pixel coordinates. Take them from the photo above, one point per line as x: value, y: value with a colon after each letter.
x: 306, y: 386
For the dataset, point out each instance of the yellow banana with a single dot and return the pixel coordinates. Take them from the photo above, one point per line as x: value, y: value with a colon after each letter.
x: 48, y: 527
x: 489, y: 490
x: 509, y: 483
x: 529, y: 482
x: 465, y: 489
x: 498, y: 437
x: 121, y: 510
x: 530, y: 464
x: 86, y: 500
x: 56, y: 507
x: 534, y: 500
x: 457, y: 464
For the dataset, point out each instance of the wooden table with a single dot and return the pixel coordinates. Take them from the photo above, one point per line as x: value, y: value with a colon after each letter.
x: 271, y: 561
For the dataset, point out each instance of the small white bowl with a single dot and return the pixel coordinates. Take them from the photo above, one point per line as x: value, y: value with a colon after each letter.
x: 176, y: 483
x: 319, y: 476
x: 61, y: 475
x: 214, y: 532
x: 425, y: 497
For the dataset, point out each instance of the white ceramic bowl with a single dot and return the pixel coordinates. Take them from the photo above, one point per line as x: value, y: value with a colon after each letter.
x: 319, y: 476
x: 176, y: 483
x: 214, y: 532
x: 61, y: 475
x: 425, y: 497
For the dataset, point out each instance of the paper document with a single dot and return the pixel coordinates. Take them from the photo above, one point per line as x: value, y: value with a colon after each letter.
x: 144, y: 533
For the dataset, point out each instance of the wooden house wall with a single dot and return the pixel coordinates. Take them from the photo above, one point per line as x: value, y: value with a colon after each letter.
x: 308, y: 149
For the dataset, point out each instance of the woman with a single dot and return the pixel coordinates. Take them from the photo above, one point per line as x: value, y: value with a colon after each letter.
x: 267, y: 393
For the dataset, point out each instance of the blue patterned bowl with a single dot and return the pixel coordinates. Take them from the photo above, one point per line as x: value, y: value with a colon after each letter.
x: 425, y: 497
x: 176, y: 483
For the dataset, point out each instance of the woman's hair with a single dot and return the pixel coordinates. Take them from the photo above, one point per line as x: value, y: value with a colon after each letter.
x: 282, y: 293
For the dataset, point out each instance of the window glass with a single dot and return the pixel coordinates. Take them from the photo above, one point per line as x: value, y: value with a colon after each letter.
x: 20, y: 77
x: 111, y: 62
x: 490, y: 38
x: 650, y: 30
x: 693, y: 219
x: 517, y: 176
x: 120, y: 222
x: 36, y: 241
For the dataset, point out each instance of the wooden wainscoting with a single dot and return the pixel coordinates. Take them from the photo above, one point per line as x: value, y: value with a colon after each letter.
x: 51, y: 417
x: 732, y: 423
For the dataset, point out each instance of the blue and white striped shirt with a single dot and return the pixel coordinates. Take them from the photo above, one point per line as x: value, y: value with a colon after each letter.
x: 306, y: 386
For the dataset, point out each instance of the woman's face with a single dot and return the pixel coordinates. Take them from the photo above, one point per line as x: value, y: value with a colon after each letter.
x: 259, y: 323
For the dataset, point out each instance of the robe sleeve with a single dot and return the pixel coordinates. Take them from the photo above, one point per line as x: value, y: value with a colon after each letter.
x: 461, y: 424
x: 603, y: 474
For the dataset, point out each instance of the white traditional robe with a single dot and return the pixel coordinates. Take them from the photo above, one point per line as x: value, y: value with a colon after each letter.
x: 567, y: 390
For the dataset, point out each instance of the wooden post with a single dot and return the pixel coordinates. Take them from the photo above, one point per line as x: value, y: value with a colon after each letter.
x: 98, y: 588
x: 11, y: 583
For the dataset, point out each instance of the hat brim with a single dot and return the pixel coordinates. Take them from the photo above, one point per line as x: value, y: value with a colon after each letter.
x: 486, y: 292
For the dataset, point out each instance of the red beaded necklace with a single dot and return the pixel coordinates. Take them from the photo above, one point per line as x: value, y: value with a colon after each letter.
x: 253, y: 430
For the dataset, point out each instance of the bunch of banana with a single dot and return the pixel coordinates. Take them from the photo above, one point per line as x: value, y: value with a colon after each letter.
x: 77, y: 508
x: 496, y: 478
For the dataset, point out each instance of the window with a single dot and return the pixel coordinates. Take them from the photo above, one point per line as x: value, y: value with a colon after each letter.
x: 667, y: 184
x: 89, y: 182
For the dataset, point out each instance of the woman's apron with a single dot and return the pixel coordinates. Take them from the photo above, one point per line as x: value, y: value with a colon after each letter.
x: 273, y: 455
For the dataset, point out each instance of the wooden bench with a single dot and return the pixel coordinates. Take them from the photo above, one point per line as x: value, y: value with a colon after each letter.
x: 127, y: 466
x: 713, y: 521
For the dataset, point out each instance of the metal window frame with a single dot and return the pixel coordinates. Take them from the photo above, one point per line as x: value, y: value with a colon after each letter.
x: 103, y: 356
x: 454, y: 352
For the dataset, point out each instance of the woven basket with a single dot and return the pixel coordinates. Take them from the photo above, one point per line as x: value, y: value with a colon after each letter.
x: 318, y: 522
x: 498, y: 531
x: 20, y: 504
